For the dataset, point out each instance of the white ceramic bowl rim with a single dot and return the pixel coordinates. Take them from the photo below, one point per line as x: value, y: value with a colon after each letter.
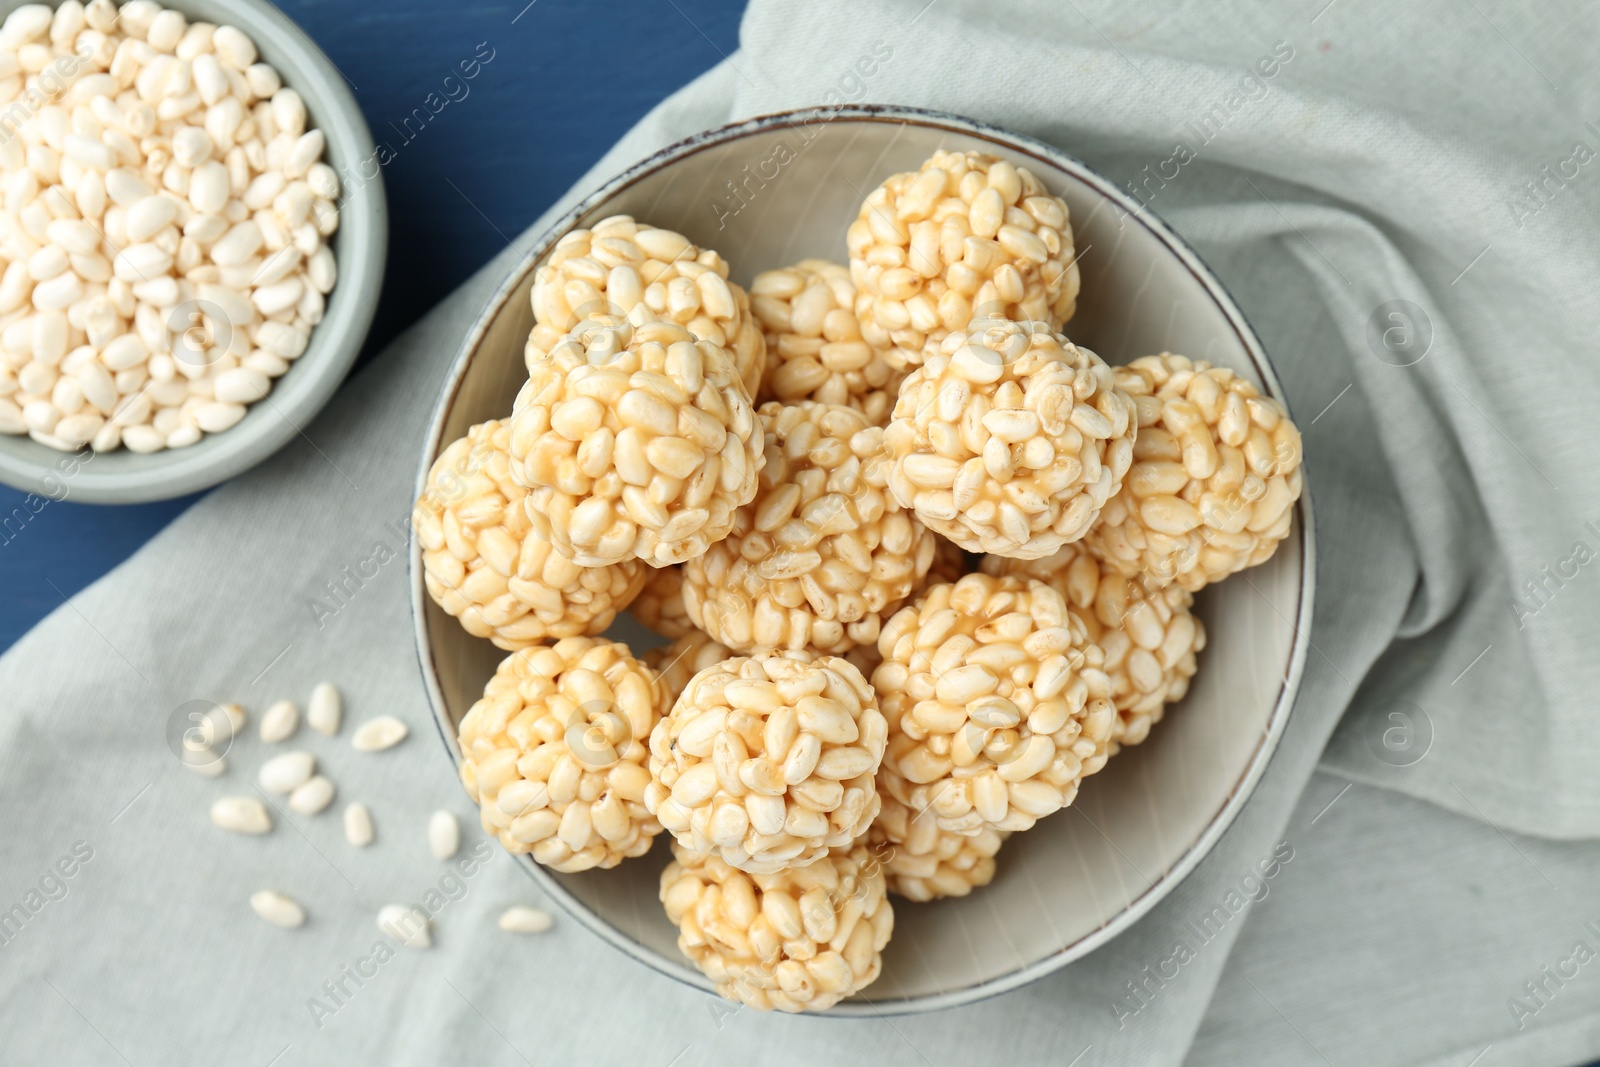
x: 1304, y: 531
x: 123, y: 477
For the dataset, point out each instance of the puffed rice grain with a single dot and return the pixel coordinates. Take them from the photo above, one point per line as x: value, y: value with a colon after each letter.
x: 407, y: 924
x: 277, y: 909
x: 283, y: 774
x: 444, y: 835
x: 324, y: 711
x: 279, y: 722
x: 312, y: 796
x: 236, y: 722
x: 520, y: 919
x: 380, y: 733
x: 215, y: 767
x: 358, y: 825
x: 242, y: 815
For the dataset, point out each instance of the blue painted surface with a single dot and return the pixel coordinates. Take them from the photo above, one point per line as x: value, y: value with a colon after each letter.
x: 566, y: 78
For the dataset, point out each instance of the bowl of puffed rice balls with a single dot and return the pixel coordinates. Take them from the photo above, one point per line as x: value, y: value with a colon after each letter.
x: 827, y: 571
x: 192, y: 240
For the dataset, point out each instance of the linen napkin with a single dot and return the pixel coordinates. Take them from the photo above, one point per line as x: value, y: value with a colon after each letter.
x: 1410, y: 242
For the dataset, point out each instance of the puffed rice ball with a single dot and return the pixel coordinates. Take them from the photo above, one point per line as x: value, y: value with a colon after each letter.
x: 634, y: 271
x: 686, y: 657
x: 1216, y: 472
x: 1149, y: 634
x: 814, y: 346
x: 768, y: 760
x: 797, y: 939
x: 634, y: 441
x: 997, y: 704
x: 1010, y: 439
x: 822, y: 553
x: 659, y: 604
x: 554, y: 754
x: 969, y: 236
x: 482, y: 565
x: 923, y: 862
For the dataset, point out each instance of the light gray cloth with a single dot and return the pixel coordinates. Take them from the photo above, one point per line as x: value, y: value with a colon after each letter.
x: 1384, y: 159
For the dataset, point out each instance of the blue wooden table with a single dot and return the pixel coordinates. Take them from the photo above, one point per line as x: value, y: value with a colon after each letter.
x: 566, y: 79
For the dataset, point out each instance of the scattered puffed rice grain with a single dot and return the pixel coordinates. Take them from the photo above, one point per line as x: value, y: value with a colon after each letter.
x: 286, y: 773
x: 210, y: 769
x: 325, y: 711
x: 375, y: 735
x: 279, y: 722
x: 278, y: 909
x: 406, y: 924
x: 220, y: 730
x: 242, y: 815
x: 523, y: 920
x: 312, y: 796
x: 444, y: 835
x: 358, y: 825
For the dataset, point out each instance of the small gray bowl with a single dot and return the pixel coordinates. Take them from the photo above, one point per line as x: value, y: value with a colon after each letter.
x: 1139, y: 826
x: 360, y: 245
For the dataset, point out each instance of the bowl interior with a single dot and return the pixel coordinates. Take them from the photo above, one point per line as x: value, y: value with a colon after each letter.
x: 359, y: 246
x: 772, y: 194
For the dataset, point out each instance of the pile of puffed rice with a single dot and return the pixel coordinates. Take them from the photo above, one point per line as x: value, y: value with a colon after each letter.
x: 163, y: 215
x: 789, y: 484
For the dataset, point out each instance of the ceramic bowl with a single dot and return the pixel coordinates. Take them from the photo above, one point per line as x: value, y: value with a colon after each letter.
x: 359, y: 245
x: 1139, y: 826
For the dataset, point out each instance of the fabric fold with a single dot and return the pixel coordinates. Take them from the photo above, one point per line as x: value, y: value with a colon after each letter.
x: 1407, y: 245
